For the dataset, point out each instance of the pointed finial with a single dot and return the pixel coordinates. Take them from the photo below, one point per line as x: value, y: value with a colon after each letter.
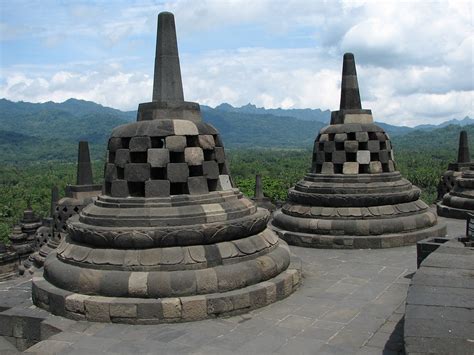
x: 167, y: 84
x: 350, y: 97
x: 258, y: 187
x: 463, y: 151
x: 54, y: 199
x: 84, y: 168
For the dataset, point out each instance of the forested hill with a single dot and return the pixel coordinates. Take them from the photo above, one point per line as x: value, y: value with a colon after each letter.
x: 50, y: 131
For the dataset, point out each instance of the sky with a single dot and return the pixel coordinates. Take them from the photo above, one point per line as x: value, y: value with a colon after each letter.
x: 414, y: 59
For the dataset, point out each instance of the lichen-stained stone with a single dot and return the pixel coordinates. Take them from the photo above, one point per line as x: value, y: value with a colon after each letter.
x: 193, y: 156
x: 158, y: 158
x: 175, y: 143
x: 170, y: 239
x: 353, y: 196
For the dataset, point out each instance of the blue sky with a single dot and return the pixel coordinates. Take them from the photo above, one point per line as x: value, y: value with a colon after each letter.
x: 415, y: 58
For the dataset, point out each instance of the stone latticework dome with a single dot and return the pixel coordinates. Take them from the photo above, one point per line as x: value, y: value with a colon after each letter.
x: 171, y: 239
x: 353, y: 196
x: 460, y: 200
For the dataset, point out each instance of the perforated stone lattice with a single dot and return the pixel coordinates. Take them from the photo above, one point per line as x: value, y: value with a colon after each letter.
x: 353, y: 153
x: 144, y: 166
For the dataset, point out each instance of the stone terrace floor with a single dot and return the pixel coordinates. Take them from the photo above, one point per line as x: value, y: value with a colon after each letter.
x: 350, y: 302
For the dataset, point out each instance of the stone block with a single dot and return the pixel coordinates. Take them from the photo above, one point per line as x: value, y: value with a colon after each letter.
x: 351, y: 146
x: 75, y: 303
x: 219, y: 154
x: 120, y: 309
x: 97, y: 309
x: 158, y: 158
x: 197, y: 185
x: 178, y: 172
x: 193, y: 156
x: 391, y: 166
x: 363, y: 157
x: 206, y: 280
x: 115, y: 143
x: 110, y: 172
x: 140, y: 144
x: 388, y: 145
x: 157, y: 188
x: 137, y: 284
x: 206, y: 141
x: 350, y: 168
x: 319, y: 157
x: 194, y: 307
x: 119, y: 188
x: 373, y: 146
x: 171, y: 307
x: 383, y: 156
x: 329, y: 146
x: 149, y: 309
x: 362, y: 136
x: 122, y: 157
x: 175, y: 143
x: 340, y: 137
x: 224, y: 183
x: 210, y: 169
x: 324, y: 138
x: 339, y: 157
x: 185, y: 128
x: 375, y: 167
x: 218, y: 305
x: 327, y: 168
x: 137, y: 172
x: 381, y: 136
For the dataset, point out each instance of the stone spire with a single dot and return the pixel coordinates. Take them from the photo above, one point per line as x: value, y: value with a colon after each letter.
x: 258, y: 187
x: 167, y: 84
x: 350, y: 97
x: 84, y: 168
x: 463, y: 151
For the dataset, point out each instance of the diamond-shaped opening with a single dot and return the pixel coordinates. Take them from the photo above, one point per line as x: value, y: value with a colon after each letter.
x: 65, y: 209
x: 212, y: 184
x: 179, y: 188
x: 195, y: 170
x: 136, y: 189
x: 339, y: 145
x: 126, y: 142
x: 158, y: 173
x: 192, y: 141
x: 157, y: 142
x: 363, y: 168
x: 351, y: 156
x: 177, y: 157
x: 76, y: 209
x: 351, y: 136
x: 374, y: 157
x: 138, y: 157
x: 338, y: 168
x: 209, y: 154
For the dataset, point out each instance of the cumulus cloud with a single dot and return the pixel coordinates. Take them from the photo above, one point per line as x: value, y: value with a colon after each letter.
x: 415, y: 58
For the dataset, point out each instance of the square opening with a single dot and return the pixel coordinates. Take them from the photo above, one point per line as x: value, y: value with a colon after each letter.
x: 136, y: 189
x: 192, y: 141
x: 212, y: 184
x: 338, y: 168
x: 351, y: 156
x: 374, y: 156
x: 351, y: 136
x: 126, y: 142
x: 331, y: 136
x: 373, y: 136
x: 108, y: 188
x: 179, y: 188
x: 363, y: 168
x: 328, y: 157
x: 158, y: 173
x: 195, y: 170
x: 318, y: 168
x: 120, y: 173
x: 383, y: 145
x: 222, y: 169
x: 111, y: 157
x: 218, y: 141
x: 321, y: 146
x: 363, y: 146
x: 157, y: 142
x: 209, y: 154
x: 385, y: 168
x: 177, y: 157
x: 339, y: 145
x: 138, y: 157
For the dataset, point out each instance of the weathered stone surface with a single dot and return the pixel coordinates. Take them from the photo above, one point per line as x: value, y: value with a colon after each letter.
x: 175, y: 143
x: 158, y: 157
x: 197, y: 185
x: 178, y: 172
x: 194, y: 156
x: 157, y: 188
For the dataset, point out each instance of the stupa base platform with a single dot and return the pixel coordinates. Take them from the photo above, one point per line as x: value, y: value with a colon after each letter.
x: 165, y: 310
x: 358, y: 242
x: 452, y: 212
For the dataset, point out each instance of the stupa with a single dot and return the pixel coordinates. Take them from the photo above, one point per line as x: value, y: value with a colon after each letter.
x: 171, y: 239
x: 460, y: 201
x: 259, y: 197
x: 20, y: 243
x: 455, y: 170
x: 354, y: 197
x: 29, y: 224
x: 77, y: 197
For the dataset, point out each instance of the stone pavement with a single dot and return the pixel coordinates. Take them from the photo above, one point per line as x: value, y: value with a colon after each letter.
x: 350, y: 302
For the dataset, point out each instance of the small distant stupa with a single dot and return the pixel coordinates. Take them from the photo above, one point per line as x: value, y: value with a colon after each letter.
x: 354, y: 197
x: 455, y: 170
x: 259, y: 198
x: 171, y: 239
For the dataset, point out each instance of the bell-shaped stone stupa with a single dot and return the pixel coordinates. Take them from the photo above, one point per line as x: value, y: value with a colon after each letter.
x: 259, y: 198
x: 460, y: 201
x: 171, y: 239
x: 455, y: 170
x: 354, y: 197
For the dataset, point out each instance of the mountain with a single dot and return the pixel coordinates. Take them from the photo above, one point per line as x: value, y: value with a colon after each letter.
x: 464, y: 122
